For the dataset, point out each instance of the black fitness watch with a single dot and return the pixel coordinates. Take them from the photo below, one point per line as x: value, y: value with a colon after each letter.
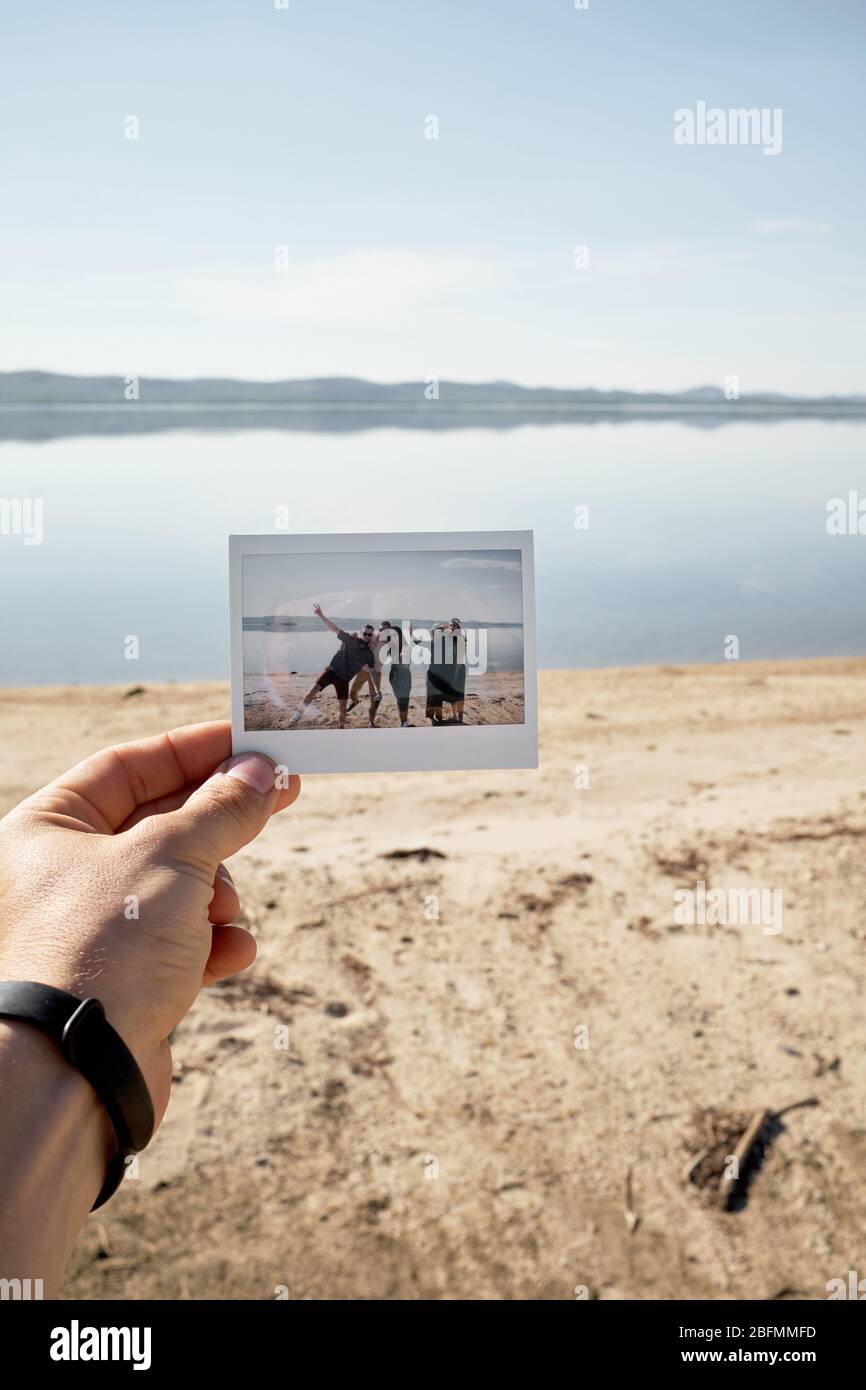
x: 88, y: 1041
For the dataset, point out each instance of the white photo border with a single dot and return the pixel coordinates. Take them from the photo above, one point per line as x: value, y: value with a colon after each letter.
x: 388, y: 750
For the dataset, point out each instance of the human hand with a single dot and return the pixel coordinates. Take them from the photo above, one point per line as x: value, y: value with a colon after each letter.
x: 112, y: 885
x: 317, y: 609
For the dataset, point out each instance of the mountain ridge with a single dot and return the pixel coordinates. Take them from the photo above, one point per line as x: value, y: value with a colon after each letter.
x: 35, y: 387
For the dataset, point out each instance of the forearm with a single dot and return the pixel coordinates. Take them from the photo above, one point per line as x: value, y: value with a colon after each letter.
x: 55, y: 1143
x: 328, y: 623
x: 160, y: 815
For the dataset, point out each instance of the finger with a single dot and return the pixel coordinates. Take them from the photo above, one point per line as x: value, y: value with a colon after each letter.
x: 223, y: 814
x: 225, y: 905
x: 233, y: 949
x: 287, y: 795
x: 103, y: 791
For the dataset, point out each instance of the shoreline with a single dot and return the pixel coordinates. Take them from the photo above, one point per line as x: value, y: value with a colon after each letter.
x: 765, y: 665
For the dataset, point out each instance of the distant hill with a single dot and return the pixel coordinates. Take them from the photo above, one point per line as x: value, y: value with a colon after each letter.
x: 46, y: 405
x: 26, y: 388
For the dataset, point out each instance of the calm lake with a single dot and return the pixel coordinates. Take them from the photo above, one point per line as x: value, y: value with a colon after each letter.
x: 694, y: 535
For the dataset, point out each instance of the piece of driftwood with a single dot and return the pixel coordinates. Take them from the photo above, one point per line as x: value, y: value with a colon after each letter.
x: 717, y: 1132
x: 729, y: 1183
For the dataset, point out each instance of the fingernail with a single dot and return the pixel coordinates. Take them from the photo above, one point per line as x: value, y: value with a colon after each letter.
x: 223, y: 873
x: 255, y: 770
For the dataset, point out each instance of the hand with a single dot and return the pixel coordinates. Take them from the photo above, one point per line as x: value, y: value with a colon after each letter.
x: 317, y: 609
x: 111, y: 881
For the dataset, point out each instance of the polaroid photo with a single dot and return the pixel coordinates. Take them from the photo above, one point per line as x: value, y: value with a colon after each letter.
x: 384, y: 652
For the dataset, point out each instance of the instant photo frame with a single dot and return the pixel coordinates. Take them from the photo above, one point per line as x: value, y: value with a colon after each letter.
x: 365, y: 749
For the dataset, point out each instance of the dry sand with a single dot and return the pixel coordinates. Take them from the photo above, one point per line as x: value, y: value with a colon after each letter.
x: 430, y: 1130
x: 270, y: 700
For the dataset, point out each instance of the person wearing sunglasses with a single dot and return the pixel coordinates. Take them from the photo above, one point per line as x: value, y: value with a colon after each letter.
x: 371, y: 677
x: 355, y: 654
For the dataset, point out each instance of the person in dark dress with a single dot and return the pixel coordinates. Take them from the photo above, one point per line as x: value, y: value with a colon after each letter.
x: 355, y: 652
x: 399, y: 671
x: 446, y: 675
x: 459, y: 685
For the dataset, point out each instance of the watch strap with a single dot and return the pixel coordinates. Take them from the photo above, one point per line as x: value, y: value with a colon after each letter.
x: 88, y: 1041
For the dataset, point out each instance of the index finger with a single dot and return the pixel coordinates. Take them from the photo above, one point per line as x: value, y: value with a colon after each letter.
x: 105, y: 789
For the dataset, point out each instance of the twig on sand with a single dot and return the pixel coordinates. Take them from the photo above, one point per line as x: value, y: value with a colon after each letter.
x: 376, y: 888
x: 693, y: 1163
x: 361, y: 893
x: 795, y: 1105
x: 632, y: 1220
x: 349, y: 898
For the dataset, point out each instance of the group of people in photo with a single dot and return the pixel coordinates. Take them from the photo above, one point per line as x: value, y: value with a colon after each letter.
x: 357, y: 668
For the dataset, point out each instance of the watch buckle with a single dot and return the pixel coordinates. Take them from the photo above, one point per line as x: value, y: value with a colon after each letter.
x: 86, y: 1009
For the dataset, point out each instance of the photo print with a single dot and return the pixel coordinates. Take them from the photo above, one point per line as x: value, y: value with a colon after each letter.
x: 384, y: 652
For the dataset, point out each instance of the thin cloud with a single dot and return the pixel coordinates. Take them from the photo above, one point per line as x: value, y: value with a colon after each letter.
x: 352, y: 286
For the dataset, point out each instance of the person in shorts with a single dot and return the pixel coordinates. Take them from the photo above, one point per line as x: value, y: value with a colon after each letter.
x: 354, y: 655
x: 369, y: 676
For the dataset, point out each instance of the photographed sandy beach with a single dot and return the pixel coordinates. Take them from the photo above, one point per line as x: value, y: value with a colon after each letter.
x: 477, y: 1057
x: 269, y: 701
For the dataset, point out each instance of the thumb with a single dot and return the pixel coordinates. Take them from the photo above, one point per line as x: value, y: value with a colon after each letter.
x: 226, y: 811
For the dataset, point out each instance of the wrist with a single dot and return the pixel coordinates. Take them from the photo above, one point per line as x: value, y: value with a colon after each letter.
x: 56, y: 1144
x: 108, y: 1064
x: 150, y: 1052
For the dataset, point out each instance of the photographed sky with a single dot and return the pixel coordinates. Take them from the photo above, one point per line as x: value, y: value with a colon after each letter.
x: 406, y: 257
x: 472, y: 585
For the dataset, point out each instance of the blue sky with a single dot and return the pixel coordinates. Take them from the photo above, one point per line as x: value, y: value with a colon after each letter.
x: 407, y: 257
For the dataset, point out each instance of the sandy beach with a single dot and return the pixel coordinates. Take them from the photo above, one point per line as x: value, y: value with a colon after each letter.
x: 269, y: 701
x: 478, y: 1057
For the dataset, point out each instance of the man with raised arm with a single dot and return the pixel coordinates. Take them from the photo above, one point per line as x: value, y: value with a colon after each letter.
x: 355, y: 653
